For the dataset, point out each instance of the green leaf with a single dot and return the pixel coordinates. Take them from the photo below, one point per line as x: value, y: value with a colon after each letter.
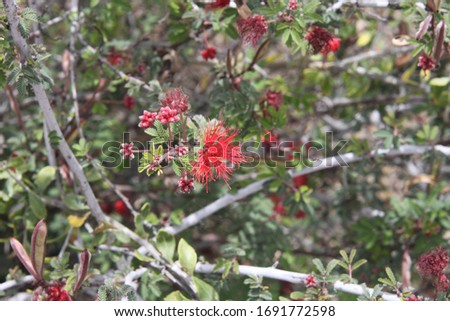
x: 343, y: 264
x: 75, y: 202
x: 166, y: 244
x: 385, y: 281
x: 319, y: 266
x: 358, y: 264
x: 141, y: 257
x: 44, y: 177
x: 206, y: 292
x: 344, y: 256
x: 176, y: 296
x: 37, y: 206
x: 352, y: 255
x: 391, y: 275
x: 331, y: 265
x: 187, y: 256
x: 440, y: 82
x: 297, y: 295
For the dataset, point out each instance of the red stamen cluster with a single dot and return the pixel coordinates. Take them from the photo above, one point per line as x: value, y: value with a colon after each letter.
x: 209, y: 53
x: 252, y: 29
x: 219, y: 154
x: 432, y: 265
x: 426, y: 62
x: 175, y: 99
x: 322, y: 41
x: 127, y: 150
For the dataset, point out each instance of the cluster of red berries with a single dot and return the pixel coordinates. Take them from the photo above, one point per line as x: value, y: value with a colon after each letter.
x: 209, y: 53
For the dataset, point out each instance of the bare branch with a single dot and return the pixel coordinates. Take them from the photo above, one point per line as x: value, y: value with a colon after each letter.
x: 292, y: 277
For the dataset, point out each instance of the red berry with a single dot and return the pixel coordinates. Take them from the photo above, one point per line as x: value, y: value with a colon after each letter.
x: 300, y: 215
x: 121, y: 208
x: 300, y: 180
x: 208, y: 53
x: 129, y: 102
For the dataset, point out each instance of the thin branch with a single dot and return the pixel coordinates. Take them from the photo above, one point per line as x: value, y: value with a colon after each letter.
x: 15, y: 283
x: 366, y: 3
x: 74, y: 28
x: 326, y: 163
x: 371, y: 54
x: 65, y: 244
x: 292, y: 277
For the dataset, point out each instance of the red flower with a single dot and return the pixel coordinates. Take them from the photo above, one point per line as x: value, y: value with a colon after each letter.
x: 292, y: 4
x: 217, y: 4
x: 334, y: 44
x: 442, y: 283
x: 115, y: 59
x: 279, y: 209
x: 300, y: 215
x: 426, y: 62
x: 167, y: 115
x: 175, y: 99
x: 219, y: 154
x: 322, y: 41
x: 121, y: 208
x: 127, y: 150
x: 129, y: 102
x: 300, y: 180
x: 274, y: 99
x: 310, y: 281
x: 209, y: 53
x: 147, y: 119
x: 252, y: 29
x: 55, y: 292
x: 433, y: 264
x: 186, y: 185
x: 181, y: 150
